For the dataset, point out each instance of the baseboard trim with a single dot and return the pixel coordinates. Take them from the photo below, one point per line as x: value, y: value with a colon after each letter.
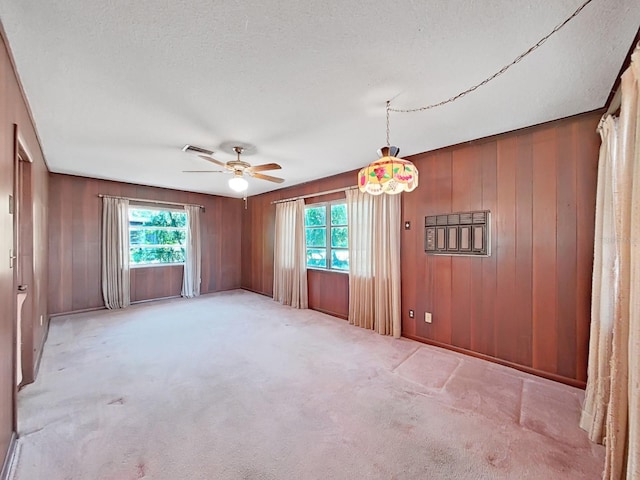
x: 256, y: 291
x: 523, y: 368
x: 136, y: 302
x: 327, y: 312
x: 73, y: 312
x: 9, y: 458
x: 41, y: 350
x: 147, y: 300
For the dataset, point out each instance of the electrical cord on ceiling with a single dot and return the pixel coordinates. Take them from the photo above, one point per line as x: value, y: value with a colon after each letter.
x: 488, y: 79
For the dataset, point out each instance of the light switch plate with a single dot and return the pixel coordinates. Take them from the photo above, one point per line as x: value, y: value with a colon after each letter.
x: 427, y: 317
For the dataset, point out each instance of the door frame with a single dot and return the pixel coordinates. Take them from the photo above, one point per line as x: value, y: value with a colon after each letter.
x: 21, y: 154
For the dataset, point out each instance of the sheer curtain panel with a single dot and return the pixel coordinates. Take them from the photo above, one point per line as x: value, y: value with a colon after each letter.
x: 374, y: 261
x: 613, y: 388
x: 289, y: 263
x: 191, y: 277
x: 594, y: 411
x: 115, y: 252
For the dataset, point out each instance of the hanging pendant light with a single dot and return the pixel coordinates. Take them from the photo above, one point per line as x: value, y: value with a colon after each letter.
x: 389, y: 174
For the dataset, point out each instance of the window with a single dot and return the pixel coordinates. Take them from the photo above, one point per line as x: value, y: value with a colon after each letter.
x: 327, y: 242
x: 156, y: 236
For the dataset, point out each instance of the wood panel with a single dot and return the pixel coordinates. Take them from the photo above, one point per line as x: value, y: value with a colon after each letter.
x: 441, y: 266
x: 14, y: 112
x: 156, y: 282
x: 504, y: 217
x: 545, y: 321
x: 329, y: 292
x: 75, y: 222
x: 524, y: 250
x: 527, y: 305
x: 566, y: 245
x: 466, y: 274
x: 584, y: 145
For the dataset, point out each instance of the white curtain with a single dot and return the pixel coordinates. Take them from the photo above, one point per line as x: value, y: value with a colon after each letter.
x: 613, y: 388
x: 594, y: 411
x: 374, y: 261
x: 289, y: 263
x: 115, y: 252
x: 191, y: 277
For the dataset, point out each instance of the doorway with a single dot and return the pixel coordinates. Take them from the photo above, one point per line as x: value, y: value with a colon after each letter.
x: 23, y: 268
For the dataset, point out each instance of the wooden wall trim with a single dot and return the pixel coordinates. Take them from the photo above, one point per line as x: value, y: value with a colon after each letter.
x: 333, y: 314
x: 73, y: 312
x: 147, y: 300
x: 9, y: 458
x: 268, y: 295
x: 539, y: 373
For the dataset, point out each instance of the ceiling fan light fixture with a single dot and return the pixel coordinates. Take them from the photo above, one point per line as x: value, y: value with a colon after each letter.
x: 238, y: 184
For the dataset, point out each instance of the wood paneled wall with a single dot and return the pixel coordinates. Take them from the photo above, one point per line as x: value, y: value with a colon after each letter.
x: 75, y: 221
x: 328, y: 291
x: 528, y: 304
x: 14, y: 112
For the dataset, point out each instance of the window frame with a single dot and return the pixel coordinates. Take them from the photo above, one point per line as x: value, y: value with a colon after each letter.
x: 328, y: 226
x: 155, y: 208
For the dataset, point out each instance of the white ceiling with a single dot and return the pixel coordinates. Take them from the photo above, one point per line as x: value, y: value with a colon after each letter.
x: 117, y: 88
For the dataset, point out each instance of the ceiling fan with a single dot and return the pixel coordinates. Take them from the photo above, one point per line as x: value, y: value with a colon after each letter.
x: 237, y: 167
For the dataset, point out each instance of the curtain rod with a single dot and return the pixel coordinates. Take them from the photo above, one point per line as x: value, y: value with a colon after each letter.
x: 146, y: 200
x: 326, y: 192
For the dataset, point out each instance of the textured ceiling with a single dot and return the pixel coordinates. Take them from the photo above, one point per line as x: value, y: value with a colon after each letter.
x: 117, y: 88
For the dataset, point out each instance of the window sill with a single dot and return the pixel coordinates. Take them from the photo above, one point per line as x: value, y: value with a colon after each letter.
x: 330, y: 270
x: 154, y: 265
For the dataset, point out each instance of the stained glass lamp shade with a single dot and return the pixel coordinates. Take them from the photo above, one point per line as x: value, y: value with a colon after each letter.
x: 388, y: 174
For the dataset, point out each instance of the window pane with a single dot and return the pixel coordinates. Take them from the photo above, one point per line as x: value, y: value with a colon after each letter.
x: 141, y: 255
x: 340, y: 259
x: 339, y: 214
x: 156, y: 218
x: 156, y: 236
x: 316, y: 237
x: 315, y: 216
x: 339, y: 237
x: 316, y: 257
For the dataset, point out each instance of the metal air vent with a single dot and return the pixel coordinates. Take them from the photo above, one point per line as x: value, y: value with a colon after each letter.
x: 191, y: 148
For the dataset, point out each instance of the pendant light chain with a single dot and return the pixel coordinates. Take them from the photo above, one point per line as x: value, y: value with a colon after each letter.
x: 488, y: 79
x: 388, y: 109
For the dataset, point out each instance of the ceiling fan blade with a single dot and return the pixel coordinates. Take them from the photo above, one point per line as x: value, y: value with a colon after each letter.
x: 213, y: 160
x: 263, y: 167
x: 203, y: 171
x: 266, y: 177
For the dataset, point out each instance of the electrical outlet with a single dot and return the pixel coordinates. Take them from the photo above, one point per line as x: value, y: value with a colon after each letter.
x: 427, y: 317
x: 411, y: 314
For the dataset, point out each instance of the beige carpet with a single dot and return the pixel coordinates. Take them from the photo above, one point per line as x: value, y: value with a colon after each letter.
x: 236, y: 386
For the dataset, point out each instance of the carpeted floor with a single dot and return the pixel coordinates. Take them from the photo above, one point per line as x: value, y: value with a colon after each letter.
x: 236, y: 386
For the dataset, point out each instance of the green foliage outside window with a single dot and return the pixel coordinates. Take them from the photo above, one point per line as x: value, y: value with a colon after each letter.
x: 327, y: 244
x: 156, y: 236
x: 315, y: 216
